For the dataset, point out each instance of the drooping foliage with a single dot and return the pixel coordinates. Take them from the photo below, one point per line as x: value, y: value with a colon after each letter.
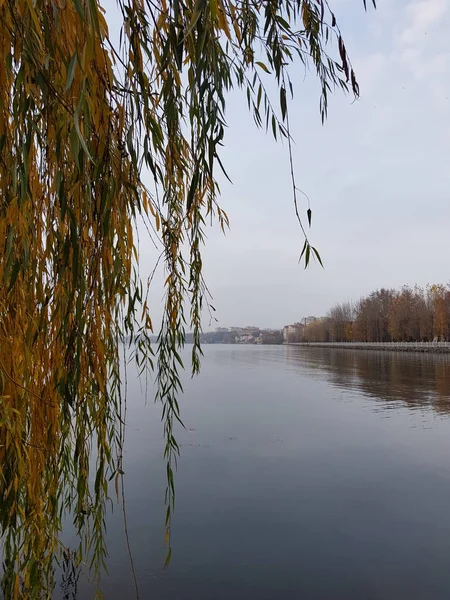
x: 95, y: 137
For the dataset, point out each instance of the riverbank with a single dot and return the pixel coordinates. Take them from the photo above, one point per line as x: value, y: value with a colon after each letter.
x: 431, y: 347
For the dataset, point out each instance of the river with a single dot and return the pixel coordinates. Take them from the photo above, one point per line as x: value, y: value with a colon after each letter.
x: 305, y: 473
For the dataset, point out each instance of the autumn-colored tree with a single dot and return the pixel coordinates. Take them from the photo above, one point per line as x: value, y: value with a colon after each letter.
x: 424, y: 309
x: 372, y: 314
x: 340, y: 318
x: 94, y: 137
x: 319, y: 331
x: 441, y: 311
x: 408, y: 315
x: 348, y: 331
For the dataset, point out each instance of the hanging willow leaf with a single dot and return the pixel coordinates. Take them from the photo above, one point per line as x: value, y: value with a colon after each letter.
x: 263, y: 66
x: 283, y: 103
x: 317, y: 256
x: 71, y: 71
x: 307, y: 255
x: 83, y: 124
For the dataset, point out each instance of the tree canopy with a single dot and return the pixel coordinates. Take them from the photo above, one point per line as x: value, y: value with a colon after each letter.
x: 95, y: 137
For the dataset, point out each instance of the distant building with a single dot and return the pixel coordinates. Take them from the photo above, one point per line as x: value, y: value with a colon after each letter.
x: 308, y: 320
x: 245, y: 338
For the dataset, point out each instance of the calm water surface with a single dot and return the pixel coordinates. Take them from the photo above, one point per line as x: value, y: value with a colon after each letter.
x: 306, y: 473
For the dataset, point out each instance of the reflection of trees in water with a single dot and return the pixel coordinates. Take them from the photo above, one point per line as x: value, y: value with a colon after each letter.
x: 70, y: 575
x: 417, y: 379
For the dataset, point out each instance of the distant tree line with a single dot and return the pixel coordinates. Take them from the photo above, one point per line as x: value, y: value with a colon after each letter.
x: 408, y: 315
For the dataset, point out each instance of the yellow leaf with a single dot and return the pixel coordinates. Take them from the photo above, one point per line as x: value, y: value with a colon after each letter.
x: 223, y: 22
x: 145, y: 201
x: 263, y: 66
x: 16, y: 587
x: 213, y: 8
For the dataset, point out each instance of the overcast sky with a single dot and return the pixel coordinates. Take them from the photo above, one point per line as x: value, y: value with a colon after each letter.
x: 377, y: 174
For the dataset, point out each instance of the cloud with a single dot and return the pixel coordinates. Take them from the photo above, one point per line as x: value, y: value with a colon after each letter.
x: 422, y: 16
x: 421, y: 45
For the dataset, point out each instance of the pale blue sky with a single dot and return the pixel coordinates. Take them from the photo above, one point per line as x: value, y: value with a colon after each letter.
x: 376, y: 173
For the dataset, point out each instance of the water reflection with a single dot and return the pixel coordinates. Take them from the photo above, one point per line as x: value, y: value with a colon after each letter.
x: 296, y: 480
x: 417, y: 379
x: 70, y: 575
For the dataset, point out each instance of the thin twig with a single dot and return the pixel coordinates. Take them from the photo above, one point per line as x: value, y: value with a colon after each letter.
x: 122, y: 485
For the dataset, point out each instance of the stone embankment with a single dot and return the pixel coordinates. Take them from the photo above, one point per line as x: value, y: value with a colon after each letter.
x: 432, y: 347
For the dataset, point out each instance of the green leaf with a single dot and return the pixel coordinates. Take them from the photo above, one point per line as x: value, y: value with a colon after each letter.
x: 283, y: 103
x: 34, y: 574
x: 74, y: 143
x: 9, y: 244
x: 14, y: 274
x: 192, y: 190
x: 317, y: 256
x: 309, y: 214
x: 291, y: 88
x: 283, y: 23
x: 79, y: 9
x: 305, y: 245
x: 78, y: 130
x: 93, y: 8
x: 195, y: 16
x: 71, y: 71
x: 178, y: 358
x: 307, y: 255
x: 168, y: 557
